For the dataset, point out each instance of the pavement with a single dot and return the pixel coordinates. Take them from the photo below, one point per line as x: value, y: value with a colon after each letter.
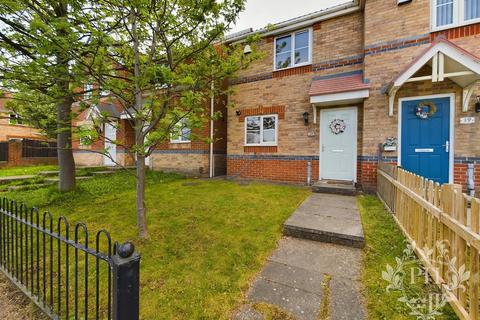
x: 312, y: 280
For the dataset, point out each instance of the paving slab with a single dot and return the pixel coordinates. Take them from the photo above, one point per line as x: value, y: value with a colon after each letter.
x: 101, y: 173
x: 49, y: 173
x: 346, y: 300
x: 301, y: 304
x: 325, y: 258
x: 56, y: 179
x: 246, y: 312
x: 327, y: 218
x: 293, y: 276
x: 9, y: 179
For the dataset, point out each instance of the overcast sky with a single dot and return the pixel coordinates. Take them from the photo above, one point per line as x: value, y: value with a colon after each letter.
x: 259, y: 13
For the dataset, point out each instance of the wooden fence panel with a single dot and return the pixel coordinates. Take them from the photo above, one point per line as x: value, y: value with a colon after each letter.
x: 444, y: 224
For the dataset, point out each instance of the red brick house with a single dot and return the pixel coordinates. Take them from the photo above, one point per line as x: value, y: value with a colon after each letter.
x: 335, y: 84
x: 195, y: 157
x: 17, y: 140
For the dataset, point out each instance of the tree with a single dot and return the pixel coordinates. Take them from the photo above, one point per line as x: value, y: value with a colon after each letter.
x: 37, y: 39
x: 160, y: 61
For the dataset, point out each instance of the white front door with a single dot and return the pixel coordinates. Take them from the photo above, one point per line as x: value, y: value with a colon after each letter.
x: 111, y: 148
x: 338, y: 144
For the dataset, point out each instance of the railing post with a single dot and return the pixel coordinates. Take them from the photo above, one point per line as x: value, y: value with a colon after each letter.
x: 126, y: 283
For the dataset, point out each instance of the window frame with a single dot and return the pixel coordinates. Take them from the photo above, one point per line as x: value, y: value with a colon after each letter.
x: 88, y: 91
x: 16, y: 120
x: 261, y: 144
x: 292, y: 54
x: 458, y: 16
x: 181, y: 122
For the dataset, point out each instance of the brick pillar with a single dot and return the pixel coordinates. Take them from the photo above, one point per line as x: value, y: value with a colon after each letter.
x: 14, y: 152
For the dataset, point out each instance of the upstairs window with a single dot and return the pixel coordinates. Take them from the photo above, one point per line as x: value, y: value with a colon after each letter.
x: 472, y: 10
x: 15, y: 119
x: 451, y: 13
x: 293, y: 50
x: 87, y: 91
x: 181, y: 132
x: 261, y: 130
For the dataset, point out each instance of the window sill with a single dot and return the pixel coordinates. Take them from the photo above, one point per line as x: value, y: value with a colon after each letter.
x: 180, y: 142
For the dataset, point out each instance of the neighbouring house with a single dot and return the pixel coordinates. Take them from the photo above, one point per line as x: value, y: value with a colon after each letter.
x: 21, y: 144
x: 204, y: 156
x: 11, y: 125
x: 336, y: 84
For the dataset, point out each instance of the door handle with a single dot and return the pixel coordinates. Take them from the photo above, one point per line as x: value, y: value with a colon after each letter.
x: 323, y: 147
x: 447, y: 146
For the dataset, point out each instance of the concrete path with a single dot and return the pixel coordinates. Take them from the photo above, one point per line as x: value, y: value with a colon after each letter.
x: 314, y: 280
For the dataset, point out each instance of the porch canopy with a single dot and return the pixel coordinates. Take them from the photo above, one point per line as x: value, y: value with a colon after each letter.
x: 338, y: 90
x: 446, y: 60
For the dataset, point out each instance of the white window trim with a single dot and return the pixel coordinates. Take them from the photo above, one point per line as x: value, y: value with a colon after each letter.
x: 292, y: 34
x: 179, y: 140
x: 458, y: 16
x: 88, y: 95
x: 262, y: 144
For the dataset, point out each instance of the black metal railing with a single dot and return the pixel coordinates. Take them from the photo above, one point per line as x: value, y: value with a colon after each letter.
x: 38, y: 149
x: 51, y: 262
x: 4, y: 151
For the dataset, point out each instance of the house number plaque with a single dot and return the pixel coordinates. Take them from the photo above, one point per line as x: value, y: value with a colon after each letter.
x: 467, y: 120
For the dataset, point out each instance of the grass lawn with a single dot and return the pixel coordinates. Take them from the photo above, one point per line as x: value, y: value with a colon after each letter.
x: 25, y: 170
x: 384, y: 242
x: 208, y: 238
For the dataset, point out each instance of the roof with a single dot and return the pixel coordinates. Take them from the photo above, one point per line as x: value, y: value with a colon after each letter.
x: 108, y: 109
x: 340, y: 84
x: 298, y: 22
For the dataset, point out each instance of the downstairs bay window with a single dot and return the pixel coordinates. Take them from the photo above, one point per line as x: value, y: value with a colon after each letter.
x: 453, y: 13
x: 261, y: 130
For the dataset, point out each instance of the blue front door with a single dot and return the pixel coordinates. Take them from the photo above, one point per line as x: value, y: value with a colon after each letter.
x: 425, y: 141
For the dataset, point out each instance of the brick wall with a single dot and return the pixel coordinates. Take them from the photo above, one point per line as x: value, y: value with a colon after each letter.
x: 254, y: 167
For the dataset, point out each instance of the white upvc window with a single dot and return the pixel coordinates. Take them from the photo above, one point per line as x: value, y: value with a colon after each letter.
x: 452, y: 13
x: 15, y: 119
x: 87, y: 91
x: 293, y: 50
x: 181, y: 133
x: 261, y: 130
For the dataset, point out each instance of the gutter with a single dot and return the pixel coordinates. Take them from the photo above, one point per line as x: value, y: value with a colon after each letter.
x: 301, y: 22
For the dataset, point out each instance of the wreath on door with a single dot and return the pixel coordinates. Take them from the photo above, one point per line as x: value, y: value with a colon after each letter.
x: 425, y: 110
x: 337, y: 126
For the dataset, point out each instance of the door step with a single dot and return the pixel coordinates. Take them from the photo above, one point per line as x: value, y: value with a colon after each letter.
x: 346, y: 188
x: 327, y: 218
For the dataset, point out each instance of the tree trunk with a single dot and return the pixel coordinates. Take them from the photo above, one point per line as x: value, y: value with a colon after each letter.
x: 64, y: 144
x: 140, y: 197
x: 139, y: 137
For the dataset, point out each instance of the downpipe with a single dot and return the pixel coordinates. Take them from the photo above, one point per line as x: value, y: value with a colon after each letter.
x: 471, y: 179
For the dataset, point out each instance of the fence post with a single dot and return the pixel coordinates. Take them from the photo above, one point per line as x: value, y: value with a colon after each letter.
x: 126, y: 283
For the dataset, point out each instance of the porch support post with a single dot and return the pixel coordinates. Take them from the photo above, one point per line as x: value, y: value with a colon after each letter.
x: 314, y: 110
x: 467, y: 94
x: 391, y: 100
